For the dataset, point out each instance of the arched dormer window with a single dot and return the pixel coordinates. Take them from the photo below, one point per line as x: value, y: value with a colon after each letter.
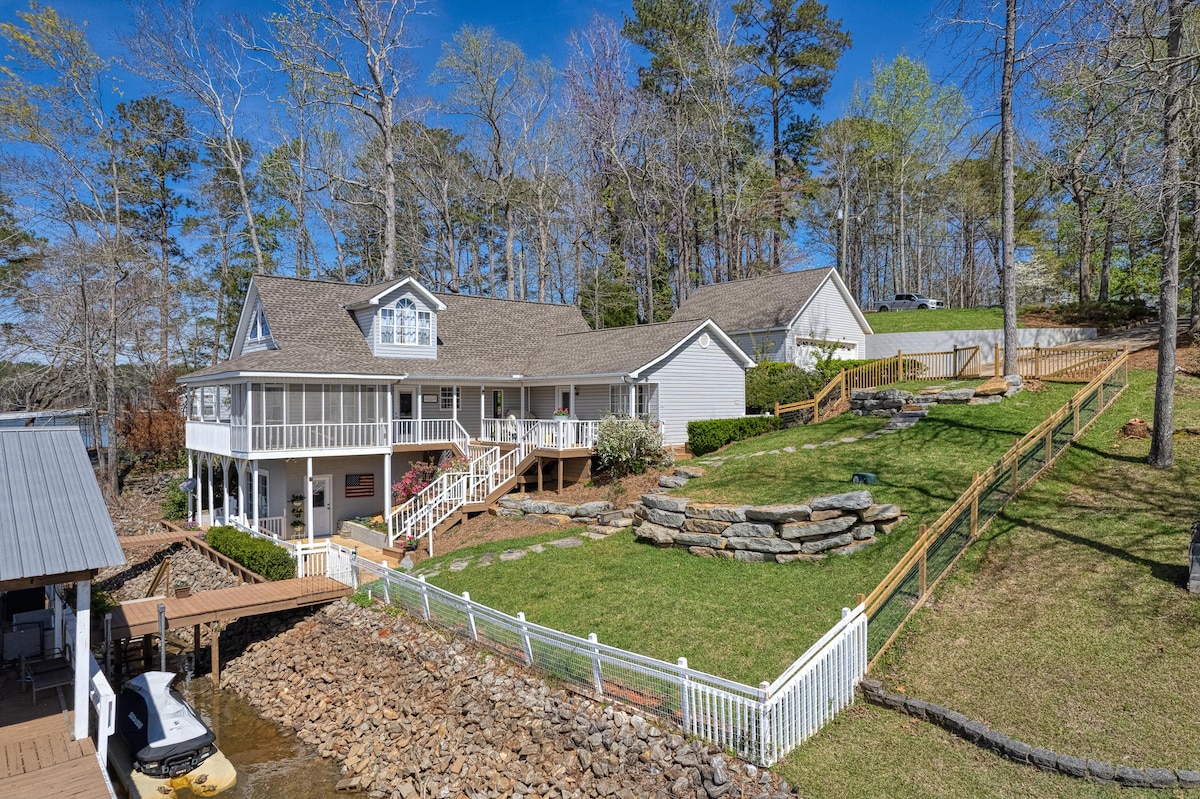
x: 403, y: 323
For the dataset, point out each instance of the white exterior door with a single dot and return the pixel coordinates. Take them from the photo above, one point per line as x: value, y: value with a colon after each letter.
x: 322, y: 504
x: 563, y: 398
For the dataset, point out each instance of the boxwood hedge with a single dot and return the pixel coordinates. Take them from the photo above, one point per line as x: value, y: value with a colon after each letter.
x: 708, y: 435
x: 256, y: 554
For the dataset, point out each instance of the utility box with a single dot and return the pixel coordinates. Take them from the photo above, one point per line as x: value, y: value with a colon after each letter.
x: 865, y: 478
x: 1194, y: 560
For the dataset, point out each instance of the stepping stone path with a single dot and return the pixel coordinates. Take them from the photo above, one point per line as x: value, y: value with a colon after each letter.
x: 509, y: 555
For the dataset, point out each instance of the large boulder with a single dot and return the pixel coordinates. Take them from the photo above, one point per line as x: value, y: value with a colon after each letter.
x: 823, y: 544
x: 717, y: 513
x: 750, y: 529
x: 772, y: 545
x: 956, y: 396
x: 655, y: 534
x: 993, y: 387
x: 665, y: 502
x: 851, y: 500
x: 811, y: 530
x: 778, y: 514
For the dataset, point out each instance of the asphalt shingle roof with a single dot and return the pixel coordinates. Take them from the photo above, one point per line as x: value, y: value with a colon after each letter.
x: 611, y: 350
x: 758, y: 303
x: 53, y: 520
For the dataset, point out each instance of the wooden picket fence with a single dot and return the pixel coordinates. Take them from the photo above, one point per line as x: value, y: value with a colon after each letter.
x: 940, y: 545
x: 1062, y: 364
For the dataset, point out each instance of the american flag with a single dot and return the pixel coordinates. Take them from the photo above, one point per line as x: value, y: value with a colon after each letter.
x: 360, y: 485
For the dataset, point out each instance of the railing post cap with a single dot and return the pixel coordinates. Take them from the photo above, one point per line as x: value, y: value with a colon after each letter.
x: 592, y: 638
x: 521, y: 615
x: 682, y: 663
x: 420, y: 578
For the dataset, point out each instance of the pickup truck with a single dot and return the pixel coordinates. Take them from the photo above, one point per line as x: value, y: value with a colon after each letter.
x: 908, y: 302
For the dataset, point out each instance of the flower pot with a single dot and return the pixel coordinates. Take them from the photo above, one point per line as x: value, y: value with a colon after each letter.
x: 183, y: 590
x: 297, y: 503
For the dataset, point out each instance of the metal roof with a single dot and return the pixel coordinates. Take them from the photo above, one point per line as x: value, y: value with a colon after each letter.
x: 52, y: 517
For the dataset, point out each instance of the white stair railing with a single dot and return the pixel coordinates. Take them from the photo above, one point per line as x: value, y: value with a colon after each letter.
x: 487, y: 471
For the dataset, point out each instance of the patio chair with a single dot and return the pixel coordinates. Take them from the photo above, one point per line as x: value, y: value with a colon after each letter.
x: 52, y: 671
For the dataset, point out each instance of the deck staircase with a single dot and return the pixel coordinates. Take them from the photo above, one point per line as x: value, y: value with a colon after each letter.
x: 490, y: 473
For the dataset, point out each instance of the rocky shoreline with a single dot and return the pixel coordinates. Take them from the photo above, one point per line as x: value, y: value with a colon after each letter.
x: 410, y: 713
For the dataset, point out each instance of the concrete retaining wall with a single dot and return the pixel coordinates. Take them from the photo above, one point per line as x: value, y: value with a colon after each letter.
x: 885, y: 345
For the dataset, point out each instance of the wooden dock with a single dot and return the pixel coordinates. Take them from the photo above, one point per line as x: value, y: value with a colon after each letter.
x: 39, y: 756
x: 140, y: 617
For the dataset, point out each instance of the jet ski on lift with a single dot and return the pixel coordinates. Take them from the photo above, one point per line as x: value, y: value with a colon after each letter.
x: 163, y: 746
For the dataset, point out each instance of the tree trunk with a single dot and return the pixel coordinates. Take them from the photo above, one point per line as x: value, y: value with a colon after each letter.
x: 1084, y: 208
x: 1162, y: 454
x: 1008, y: 190
x: 389, y: 196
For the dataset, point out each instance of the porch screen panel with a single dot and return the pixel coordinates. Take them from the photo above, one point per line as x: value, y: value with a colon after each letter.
x: 370, y: 407
x: 238, y: 407
x: 349, y: 433
x: 333, y: 413
x: 295, y: 404
x: 312, y: 404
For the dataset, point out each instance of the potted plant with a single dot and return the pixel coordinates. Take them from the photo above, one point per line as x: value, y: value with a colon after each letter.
x: 562, y: 413
x: 183, y: 590
x: 297, y: 501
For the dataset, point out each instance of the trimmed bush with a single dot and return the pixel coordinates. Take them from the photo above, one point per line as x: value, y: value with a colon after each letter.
x: 772, y: 382
x: 256, y: 554
x: 709, y: 435
x: 175, y: 503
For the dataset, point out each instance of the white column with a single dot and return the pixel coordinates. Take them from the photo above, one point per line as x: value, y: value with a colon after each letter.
x: 225, y: 486
x: 254, y: 492
x: 387, y: 485
x: 522, y: 390
x: 632, y: 400
x: 211, y: 494
x: 571, y: 404
x: 391, y: 414
x: 417, y: 412
x: 482, y: 406
x: 191, y: 510
x: 83, y: 648
x: 308, y: 506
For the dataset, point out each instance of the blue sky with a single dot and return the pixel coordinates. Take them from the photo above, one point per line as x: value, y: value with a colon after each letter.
x: 880, y: 28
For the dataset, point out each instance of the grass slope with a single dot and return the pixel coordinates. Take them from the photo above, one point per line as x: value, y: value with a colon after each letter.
x: 1066, y: 626
x: 940, y: 319
x: 749, y: 621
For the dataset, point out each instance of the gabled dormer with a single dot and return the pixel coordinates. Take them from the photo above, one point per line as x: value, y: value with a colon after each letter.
x: 399, y: 320
x: 254, y: 329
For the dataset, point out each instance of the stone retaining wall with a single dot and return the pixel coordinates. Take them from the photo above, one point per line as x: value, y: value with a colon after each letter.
x: 1016, y: 750
x: 890, y: 401
x: 837, y: 524
x: 408, y: 713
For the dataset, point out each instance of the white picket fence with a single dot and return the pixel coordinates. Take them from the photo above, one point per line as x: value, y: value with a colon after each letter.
x: 761, y: 724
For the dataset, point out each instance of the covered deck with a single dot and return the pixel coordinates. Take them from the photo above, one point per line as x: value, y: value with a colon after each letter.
x: 39, y: 754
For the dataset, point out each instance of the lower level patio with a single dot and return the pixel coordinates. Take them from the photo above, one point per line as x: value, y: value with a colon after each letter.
x: 39, y: 755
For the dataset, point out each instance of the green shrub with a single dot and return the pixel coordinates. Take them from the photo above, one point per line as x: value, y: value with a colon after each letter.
x: 709, y: 435
x: 627, y: 446
x: 771, y: 382
x: 256, y: 554
x: 174, y: 505
x: 1102, y: 314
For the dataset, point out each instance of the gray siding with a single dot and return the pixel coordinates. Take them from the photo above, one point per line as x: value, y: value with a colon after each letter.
x: 591, y: 402
x: 698, y: 383
x: 368, y: 322
x: 541, y: 402
x: 770, y: 345
x: 828, y: 317
x: 291, y: 479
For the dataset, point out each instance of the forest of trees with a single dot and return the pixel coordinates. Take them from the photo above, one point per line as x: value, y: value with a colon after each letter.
x: 676, y: 147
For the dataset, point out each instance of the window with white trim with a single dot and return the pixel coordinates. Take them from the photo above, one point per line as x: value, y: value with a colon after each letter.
x: 259, y: 329
x: 618, y: 399
x: 451, y: 396
x: 402, y: 323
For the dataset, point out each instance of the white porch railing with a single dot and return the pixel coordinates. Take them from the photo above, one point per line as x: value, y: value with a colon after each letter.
x: 212, y: 437
x: 542, y: 433
x: 430, y: 431
x: 271, y: 525
x: 104, y: 700
x: 271, y: 438
x: 761, y: 724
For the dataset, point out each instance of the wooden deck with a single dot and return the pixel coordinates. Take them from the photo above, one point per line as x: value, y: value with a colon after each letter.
x: 140, y: 617
x: 39, y: 756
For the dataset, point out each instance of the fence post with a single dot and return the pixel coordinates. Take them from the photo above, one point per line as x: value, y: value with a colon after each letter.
x: 954, y: 364
x: 597, y: 681
x: 466, y: 595
x: 1037, y: 360
x: 424, y: 596
x: 975, y: 507
x: 526, y: 646
x: 1075, y: 418
x: 777, y: 410
x: 387, y: 584
x: 1049, y: 444
x: 922, y: 570
x: 1016, y: 461
x: 899, y: 365
x: 996, y: 361
x: 685, y: 711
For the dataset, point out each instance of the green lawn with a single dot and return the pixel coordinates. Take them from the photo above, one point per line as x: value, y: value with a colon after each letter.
x: 749, y: 621
x: 1066, y: 626
x: 940, y: 319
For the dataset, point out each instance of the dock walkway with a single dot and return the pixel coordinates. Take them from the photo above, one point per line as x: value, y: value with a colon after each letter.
x: 140, y: 617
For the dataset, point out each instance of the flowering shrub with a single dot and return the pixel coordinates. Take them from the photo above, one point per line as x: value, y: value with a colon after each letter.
x: 628, y: 446
x: 562, y: 411
x: 422, y: 474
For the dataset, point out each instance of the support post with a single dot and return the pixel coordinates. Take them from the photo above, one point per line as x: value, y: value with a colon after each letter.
x: 214, y: 673
x: 212, y: 504
x: 466, y: 595
x: 162, y: 637
x: 387, y: 585
x: 597, y: 677
x: 199, y: 517
x: 559, y: 488
x: 196, y: 644
x: 82, y: 652
x: 526, y: 645
x: 387, y: 485
x: 254, y: 492
x: 424, y: 596
x: 108, y: 664
x: 191, y: 509
x: 685, y: 692
x: 417, y: 413
x: 308, y: 506
x: 56, y: 614
x: 225, y: 490
x: 1037, y: 359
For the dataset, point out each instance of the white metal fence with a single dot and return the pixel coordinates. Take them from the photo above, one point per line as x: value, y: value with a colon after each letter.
x: 761, y: 724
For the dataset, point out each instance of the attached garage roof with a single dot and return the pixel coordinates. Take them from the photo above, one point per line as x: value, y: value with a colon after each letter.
x: 53, y: 520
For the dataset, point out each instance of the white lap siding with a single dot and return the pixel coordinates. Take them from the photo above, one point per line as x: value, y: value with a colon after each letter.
x: 698, y: 383
x: 828, y: 318
x: 767, y: 345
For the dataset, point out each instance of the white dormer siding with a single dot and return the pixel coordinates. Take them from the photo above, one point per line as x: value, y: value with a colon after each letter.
x: 400, y: 326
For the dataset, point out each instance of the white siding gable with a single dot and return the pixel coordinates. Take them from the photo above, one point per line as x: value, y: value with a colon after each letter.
x: 827, y: 317
x: 698, y: 382
x: 767, y: 345
x: 253, y: 330
x: 403, y: 302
